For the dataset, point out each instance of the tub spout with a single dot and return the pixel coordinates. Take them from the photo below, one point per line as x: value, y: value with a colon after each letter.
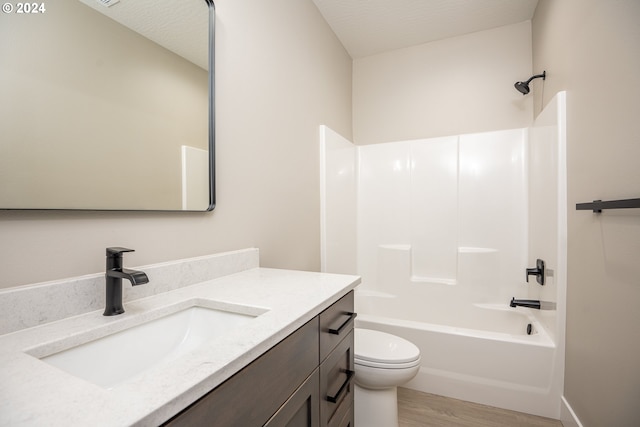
x: 533, y: 303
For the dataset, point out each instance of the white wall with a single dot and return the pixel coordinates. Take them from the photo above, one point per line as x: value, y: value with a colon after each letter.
x: 448, y: 87
x: 590, y: 48
x: 281, y: 72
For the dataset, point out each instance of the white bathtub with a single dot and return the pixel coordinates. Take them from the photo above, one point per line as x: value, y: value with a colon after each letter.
x: 474, y: 352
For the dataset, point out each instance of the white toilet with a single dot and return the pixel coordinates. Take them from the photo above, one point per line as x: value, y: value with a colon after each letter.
x: 382, y: 363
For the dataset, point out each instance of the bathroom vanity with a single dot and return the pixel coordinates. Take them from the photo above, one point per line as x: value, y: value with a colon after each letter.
x: 289, y: 363
x: 305, y: 380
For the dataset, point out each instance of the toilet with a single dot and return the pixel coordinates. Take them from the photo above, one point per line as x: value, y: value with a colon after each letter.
x: 382, y: 363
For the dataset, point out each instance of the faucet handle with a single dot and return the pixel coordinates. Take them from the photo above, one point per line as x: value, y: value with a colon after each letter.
x: 538, y: 271
x: 116, y: 252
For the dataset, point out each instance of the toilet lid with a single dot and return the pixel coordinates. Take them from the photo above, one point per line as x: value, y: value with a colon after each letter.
x: 383, y: 348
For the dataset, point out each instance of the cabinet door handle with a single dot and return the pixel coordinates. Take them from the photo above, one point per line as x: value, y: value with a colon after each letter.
x: 344, y: 325
x: 343, y: 387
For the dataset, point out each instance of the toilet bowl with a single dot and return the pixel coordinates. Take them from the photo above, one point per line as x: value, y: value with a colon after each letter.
x: 382, y: 363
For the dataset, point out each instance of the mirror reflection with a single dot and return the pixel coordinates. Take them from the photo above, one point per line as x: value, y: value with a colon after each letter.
x: 106, y: 108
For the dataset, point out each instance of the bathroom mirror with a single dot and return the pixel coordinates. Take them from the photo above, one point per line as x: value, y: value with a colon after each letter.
x: 107, y: 105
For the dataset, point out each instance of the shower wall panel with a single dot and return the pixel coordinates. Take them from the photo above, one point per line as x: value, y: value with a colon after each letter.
x: 338, y: 195
x: 547, y: 210
x: 433, y: 213
x: 493, y: 205
x: 383, y: 203
x: 434, y: 210
x: 455, y: 208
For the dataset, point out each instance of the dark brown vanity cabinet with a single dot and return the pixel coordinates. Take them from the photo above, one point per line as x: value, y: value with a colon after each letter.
x: 336, y: 367
x: 303, y: 381
x: 301, y: 409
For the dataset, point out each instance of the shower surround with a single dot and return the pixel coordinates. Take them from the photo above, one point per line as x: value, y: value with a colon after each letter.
x: 453, y: 210
x: 441, y: 231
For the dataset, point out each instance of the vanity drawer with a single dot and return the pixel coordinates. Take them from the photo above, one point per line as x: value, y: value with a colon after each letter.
x: 253, y: 395
x: 301, y: 410
x: 336, y: 322
x: 348, y: 419
x: 336, y: 383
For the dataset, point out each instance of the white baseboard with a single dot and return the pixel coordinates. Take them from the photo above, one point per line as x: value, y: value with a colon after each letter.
x: 568, y: 418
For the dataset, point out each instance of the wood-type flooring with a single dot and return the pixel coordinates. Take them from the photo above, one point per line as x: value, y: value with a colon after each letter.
x: 417, y: 409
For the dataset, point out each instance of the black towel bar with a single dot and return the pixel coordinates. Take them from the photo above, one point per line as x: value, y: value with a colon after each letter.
x: 598, y: 205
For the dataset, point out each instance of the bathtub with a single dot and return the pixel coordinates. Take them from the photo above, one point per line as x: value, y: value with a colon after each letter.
x: 474, y: 352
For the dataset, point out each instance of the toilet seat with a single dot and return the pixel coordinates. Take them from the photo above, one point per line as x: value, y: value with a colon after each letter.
x: 379, y: 365
x: 381, y: 350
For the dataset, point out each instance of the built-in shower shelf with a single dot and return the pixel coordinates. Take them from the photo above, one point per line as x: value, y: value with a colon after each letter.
x: 598, y: 205
x: 433, y: 280
x: 396, y: 247
x: 475, y: 250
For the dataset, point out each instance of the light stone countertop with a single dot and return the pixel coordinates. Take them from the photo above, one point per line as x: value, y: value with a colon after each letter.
x: 33, y: 393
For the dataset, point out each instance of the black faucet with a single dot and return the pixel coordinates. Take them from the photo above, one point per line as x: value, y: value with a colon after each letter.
x: 538, y: 271
x: 114, y: 275
x: 531, y: 303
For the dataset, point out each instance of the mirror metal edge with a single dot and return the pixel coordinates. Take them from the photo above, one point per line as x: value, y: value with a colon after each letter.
x: 212, y: 105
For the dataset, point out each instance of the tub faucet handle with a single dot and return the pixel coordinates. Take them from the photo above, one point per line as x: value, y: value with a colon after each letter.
x: 538, y: 271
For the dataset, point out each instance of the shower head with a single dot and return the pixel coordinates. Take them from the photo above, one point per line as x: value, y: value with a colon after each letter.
x: 523, y: 87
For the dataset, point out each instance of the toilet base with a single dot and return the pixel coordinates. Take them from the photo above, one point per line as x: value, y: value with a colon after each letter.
x: 376, y: 408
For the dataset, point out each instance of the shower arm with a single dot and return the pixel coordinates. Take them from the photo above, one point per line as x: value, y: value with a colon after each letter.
x: 537, y: 76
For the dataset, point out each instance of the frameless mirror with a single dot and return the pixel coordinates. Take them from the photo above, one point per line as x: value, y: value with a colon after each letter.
x: 107, y: 105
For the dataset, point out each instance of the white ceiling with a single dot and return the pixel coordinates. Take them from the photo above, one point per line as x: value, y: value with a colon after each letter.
x: 182, y: 26
x: 368, y: 27
x: 365, y: 27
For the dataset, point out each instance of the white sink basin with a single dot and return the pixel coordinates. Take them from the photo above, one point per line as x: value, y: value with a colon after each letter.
x: 115, y: 358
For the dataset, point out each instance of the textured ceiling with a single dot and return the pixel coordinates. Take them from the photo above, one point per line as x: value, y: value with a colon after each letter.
x: 365, y: 27
x: 182, y: 26
x: 368, y: 27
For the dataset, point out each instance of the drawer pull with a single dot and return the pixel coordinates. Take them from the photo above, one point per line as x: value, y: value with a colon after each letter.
x: 343, y: 387
x: 344, y: 325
